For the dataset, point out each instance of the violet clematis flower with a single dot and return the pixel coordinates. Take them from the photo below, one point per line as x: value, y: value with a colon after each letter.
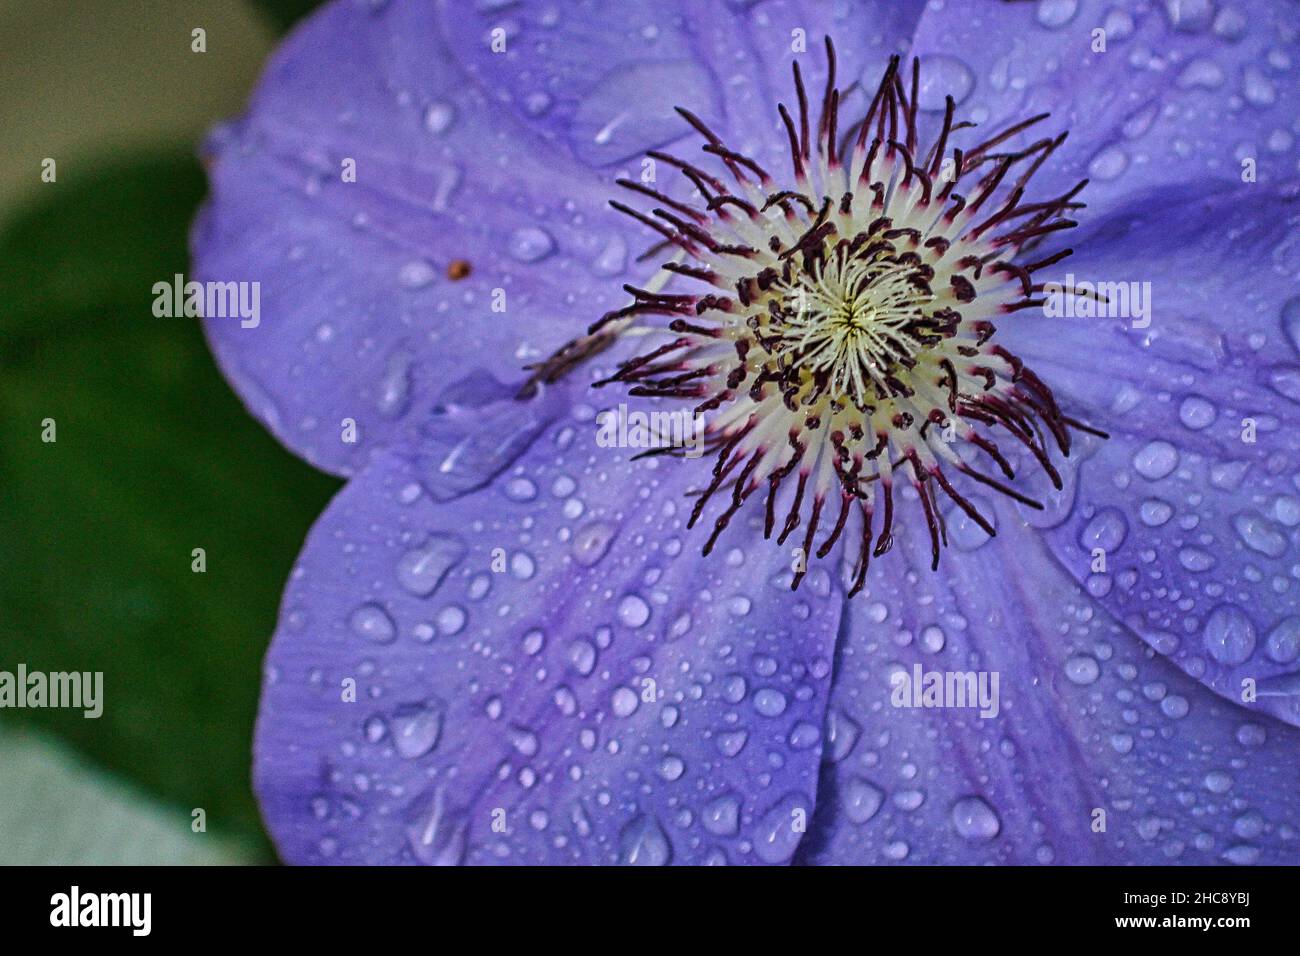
x: 502, y: 642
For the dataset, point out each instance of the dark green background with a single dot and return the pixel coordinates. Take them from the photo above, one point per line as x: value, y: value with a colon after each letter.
x: 155, y: 457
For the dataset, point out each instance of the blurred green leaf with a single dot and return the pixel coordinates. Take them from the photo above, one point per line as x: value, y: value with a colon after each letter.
x: 154, y: 457
x: 55, y: 810
x: 285, y: 13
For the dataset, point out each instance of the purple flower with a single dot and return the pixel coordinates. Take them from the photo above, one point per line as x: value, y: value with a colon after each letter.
x: 502, y: 643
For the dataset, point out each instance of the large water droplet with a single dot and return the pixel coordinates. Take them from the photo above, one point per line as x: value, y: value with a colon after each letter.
x: 643, y: 843
x: 975, y: 819
x: 416, y: 728
x: 372, y: 622
x: 1155, y: 460
x: 1229, y: 635
x: 861, y: 800
x: 530, y: 244
x: 942, y: 76
x: 422, y: 569
x: 781, y: 828
x: 591, y: 542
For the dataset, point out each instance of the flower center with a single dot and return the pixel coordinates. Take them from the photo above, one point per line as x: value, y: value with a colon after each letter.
x: 844, y: 340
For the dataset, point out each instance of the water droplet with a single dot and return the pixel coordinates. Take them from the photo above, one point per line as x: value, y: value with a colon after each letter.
x: 1054, y: 14
x: 1283, y: 644
x: 438, y: 117
x: 1156, y: 460
x: 422, y: 569
x: 1259, y: 534
x: 722, y: 816
x: 1082, y: 669
x: 591, y: 543
x: 643, y: 843
x: 1106, y: 530
x: 942, y: 76
x: 769, y: 702
x: 624, y: 702
x: 633, y: 611
x: 779, y: 830
x: 416, y: 728
x: 975, y: 819
x: 416, y: 274
x: 1197, y: 413
x: 372, y: 622
x: 530, y: 244
x: 1257, y: 87
x: 861, y: 800
x: 435, y: 834
x: 612, y: 260
x: 1189, y: 16
x: 1108, y: 164
x: 1201, y: 73
x: 1229, y: 635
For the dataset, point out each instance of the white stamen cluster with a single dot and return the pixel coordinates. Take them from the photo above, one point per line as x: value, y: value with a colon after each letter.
x: 846, y: 338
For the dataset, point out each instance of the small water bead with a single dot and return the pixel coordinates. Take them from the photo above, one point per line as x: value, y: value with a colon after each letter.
x: 908, y: 800
x: 731, y: 743
x: 1175, y: 707
x: 1197, y: 413
x: 643, y: 843
x: 422, y: 569
x: 1107, y: 530
x: 1258, y: 534
x: 1216, y: 781
x: 416, y: 274
x: 1258, y: 88
x: 778, y: 832
x: 522, y: 565
x: 1251, y: 735
x: 373, y: 623
x: 671, y: 768
x: 1054, y: 14
x: 1108, y: 164
x: 975, y: 820
x: 520, y: 489
x: 861, y: 800
x: 624, y: 702
x: 721, y: 815
x: 633, y: 611
x: 591, y: 542
x: 770, y: 702
x: 933, y: 639
x: 438, y: 117
x: 1155, y: 512
x: 416, y: 728
x: 1156, y: 460
x: 944, y: 76
x: 1195, y: 560
x: 451, y: 620
x: 533, y: 642
x: 1201, y: 73
x: 1283, y: 643
x: 530, y: 244
x: 1229, y: 635
x: 1082, y: 669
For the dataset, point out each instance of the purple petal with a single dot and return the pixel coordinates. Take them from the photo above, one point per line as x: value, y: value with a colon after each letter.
x: 1193, y: 502
x: 1182, y: 91
x: 1087, y: 720
x: 602, y: 79
x: 607, y: 696
x: 360, y: 316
